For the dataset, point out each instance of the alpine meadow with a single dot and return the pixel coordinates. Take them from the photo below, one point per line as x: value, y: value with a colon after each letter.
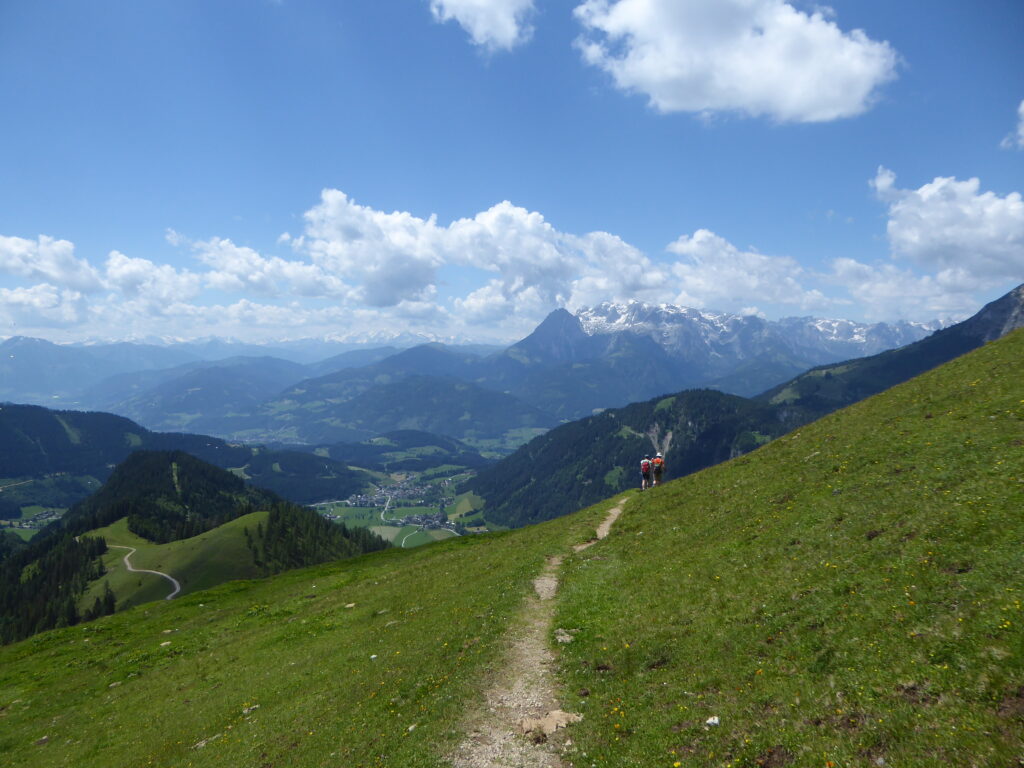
x: 512, y: 384
x: 848, y: 594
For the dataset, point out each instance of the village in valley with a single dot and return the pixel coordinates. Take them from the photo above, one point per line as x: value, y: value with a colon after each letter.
x: 408, y: 511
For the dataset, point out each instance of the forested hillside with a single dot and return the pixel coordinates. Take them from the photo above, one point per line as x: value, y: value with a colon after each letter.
x: 165, y: 497
x: 336, y: 409
x: 68, y: 453
x: 585, y: 461
x: 10, y: 543
x: 406, y: 450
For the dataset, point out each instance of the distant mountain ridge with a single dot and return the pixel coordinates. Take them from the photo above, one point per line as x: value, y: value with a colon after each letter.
x: 668, y: 324
x: 581, y: 462
x: 718, y: 345
x: 72, y: 451
x: 827, y: 388
x: 569, y: 367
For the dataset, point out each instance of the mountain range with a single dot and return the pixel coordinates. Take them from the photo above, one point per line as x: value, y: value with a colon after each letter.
x: 571, y: 366
x: 579, y: 463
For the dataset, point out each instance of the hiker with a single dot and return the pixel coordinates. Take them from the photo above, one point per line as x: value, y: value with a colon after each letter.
x: 645, y: 473
x: 657, y: 467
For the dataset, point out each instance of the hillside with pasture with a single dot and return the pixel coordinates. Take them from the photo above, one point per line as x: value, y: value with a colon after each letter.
x: 849, y: 594
x: 161, y: 498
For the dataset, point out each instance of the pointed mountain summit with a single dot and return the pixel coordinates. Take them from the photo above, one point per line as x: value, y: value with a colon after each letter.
x: 560, y: 338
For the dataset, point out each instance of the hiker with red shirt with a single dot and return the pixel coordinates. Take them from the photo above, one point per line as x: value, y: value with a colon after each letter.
x: 657, y: 468
x: 645, y: 473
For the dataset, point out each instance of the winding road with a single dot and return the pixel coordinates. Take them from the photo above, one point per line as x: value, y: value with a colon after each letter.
x: 128, y: 565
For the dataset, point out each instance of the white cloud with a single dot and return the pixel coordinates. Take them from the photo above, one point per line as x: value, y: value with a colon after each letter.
x: 716, y: 274
x: 1016, y: 139
x: 47, y: 259
x: 354, y: 269
x: 151, y: 284
x: 885, y: 291
x: 40, y: 305
x: 388, y: 257
x: 536, y: 263
x: 492, y: 24
x: 950, y: 225
x: 238, y: 269
x: 758, y: 57
x: 529, y: 266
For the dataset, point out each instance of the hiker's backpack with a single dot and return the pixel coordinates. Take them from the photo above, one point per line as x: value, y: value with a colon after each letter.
x: 659, y: 464
x: 645, y: 466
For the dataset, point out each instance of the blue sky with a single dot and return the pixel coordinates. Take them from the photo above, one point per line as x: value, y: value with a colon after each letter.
x: 272, y: 169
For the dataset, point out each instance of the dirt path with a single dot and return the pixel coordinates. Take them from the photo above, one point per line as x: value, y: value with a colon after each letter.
x: 128, y: 565
x: 517, y: 727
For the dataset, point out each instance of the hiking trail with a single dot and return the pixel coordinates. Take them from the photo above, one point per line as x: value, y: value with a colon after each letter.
x: 521, y: 705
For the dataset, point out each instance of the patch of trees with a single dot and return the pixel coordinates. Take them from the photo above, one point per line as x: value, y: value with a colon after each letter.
x: 9, y: 509
x: 303, y: 477
x: 167, y: 496
x: 10, y: 542
x: 40, y: 586
x: 294, y: 537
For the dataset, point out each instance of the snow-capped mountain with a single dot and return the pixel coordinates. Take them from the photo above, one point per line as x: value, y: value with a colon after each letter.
x: 723, y: 349
x: 682, y: 331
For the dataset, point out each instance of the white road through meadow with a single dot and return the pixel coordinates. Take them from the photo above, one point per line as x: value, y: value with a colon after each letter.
x: 128, y: 565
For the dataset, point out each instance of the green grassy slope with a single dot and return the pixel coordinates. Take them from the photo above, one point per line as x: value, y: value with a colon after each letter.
x: 198, y: 563
x: 847, y: 594
x: 279, y: 671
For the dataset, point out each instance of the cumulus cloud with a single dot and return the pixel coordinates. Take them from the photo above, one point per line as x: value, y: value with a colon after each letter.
x: 529, y: 266
x: 236, y: 268
x: 952, y: 225
x: 616, y: 271
x: 388, y: 257
x: 715, y: 273
x: 47, y: 259
x: 536, y: 263
x: 157, y: 285
x: 1016, y: 139
x: 885, y: 291
x: 40, y: 305
x: 356, y: 270
x: 758, y: 57
x: 492, y: 24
